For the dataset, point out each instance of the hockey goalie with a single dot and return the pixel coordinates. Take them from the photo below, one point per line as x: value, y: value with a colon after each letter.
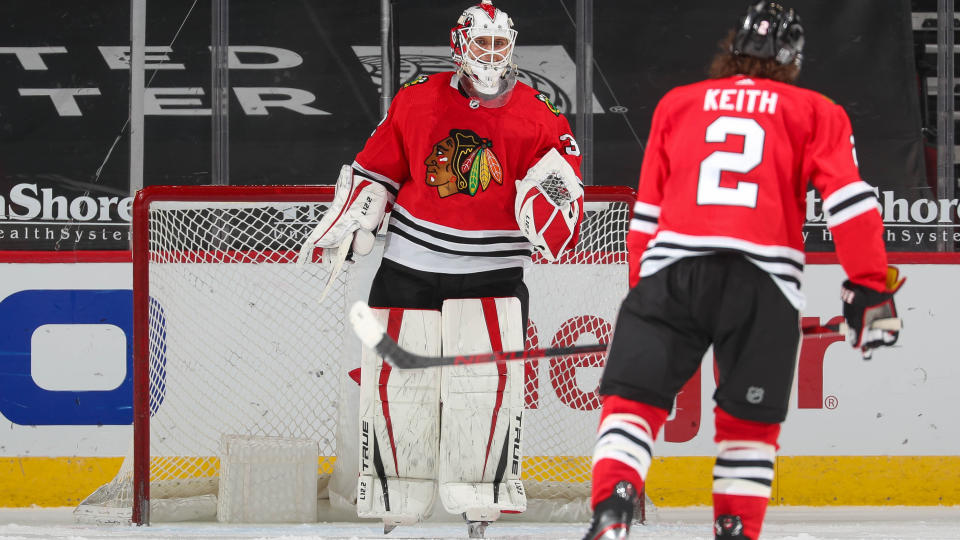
x: 478, y: 172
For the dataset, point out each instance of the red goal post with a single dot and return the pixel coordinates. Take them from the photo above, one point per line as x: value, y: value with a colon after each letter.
x: 229, y: 338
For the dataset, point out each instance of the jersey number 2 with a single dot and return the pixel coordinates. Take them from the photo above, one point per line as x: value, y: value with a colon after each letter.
x: 709, y: 190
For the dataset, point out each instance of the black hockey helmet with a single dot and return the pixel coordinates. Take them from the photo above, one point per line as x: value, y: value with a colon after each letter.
x: 768, y: 30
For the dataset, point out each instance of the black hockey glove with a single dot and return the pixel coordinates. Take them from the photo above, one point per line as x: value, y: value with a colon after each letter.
x: 872, y: 315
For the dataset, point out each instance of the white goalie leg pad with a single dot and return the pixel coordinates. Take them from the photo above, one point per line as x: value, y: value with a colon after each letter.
x: 396, y: 501
x: 481, y: 431
x: 399, y: 424
x: 342, y: 488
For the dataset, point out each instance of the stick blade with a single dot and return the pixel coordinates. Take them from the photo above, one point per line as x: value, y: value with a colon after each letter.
x: 366, y: 325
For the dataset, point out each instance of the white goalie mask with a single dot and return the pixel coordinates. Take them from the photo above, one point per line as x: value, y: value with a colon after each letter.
x: 482, y: 48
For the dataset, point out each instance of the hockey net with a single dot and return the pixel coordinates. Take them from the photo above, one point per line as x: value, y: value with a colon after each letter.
x: 229, y: 339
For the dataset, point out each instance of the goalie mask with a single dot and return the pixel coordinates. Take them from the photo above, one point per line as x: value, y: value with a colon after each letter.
x: 482, y: 48
x: 768, y: 30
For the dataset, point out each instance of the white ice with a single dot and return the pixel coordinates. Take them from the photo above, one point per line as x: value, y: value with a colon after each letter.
x: 783, y: 523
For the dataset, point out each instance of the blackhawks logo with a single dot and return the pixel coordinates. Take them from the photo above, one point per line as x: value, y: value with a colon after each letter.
x: 419, y: 80
x: 462, y: 163
x: 546, y: 101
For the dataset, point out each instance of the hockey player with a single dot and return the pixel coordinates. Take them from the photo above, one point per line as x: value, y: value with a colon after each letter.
x: 716, y: 258
x: 481, y: 172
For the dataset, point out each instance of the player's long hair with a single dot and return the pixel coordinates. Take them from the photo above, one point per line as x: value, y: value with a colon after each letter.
x: 727, y: 64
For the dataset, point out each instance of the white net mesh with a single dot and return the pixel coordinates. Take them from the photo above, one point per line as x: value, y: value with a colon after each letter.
x: 267, y: 480
x: 556, y: 190
x: 239, y: 344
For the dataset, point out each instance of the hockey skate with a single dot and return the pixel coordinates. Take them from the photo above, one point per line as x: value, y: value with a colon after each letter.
x: 475, y: 529
x: 613, y: 515
x: 391, y: 524
x: 728, y: 526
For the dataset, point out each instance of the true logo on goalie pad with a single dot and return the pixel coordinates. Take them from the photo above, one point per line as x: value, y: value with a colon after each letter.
x: 515, y: 462
x: 364, y: 446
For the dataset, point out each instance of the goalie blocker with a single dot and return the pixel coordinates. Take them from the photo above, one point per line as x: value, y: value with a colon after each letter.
x: 355, y: 214
x: 471, y: 459
x: 350, y: 225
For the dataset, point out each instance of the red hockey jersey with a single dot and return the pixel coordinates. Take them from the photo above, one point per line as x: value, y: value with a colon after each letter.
x: 726, y: 169
x: 452, y: 169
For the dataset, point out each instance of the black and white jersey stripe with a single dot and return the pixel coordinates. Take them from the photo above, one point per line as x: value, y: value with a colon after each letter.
x: 429, y: 247
x: 745, y: 470
x: 784, y: 264
x: 621, y: 438
x: 849, y: 202
x: 391, y: 186
x: 645, y: 217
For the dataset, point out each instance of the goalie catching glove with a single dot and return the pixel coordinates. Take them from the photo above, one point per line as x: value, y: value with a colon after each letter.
x: 863, y: 307
x: 549, y: 205
x: 357, y: 210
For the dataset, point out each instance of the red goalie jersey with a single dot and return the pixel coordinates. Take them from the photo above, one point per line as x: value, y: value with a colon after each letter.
x: 451, y: 166
x: 726, y: 169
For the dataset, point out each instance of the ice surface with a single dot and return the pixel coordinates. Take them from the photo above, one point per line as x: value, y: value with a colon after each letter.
x: 783, y: 523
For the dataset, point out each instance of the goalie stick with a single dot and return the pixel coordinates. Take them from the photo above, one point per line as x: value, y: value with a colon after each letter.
x: 374, y: 336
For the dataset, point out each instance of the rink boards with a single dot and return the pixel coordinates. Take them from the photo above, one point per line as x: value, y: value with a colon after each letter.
x: 858, y: 433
